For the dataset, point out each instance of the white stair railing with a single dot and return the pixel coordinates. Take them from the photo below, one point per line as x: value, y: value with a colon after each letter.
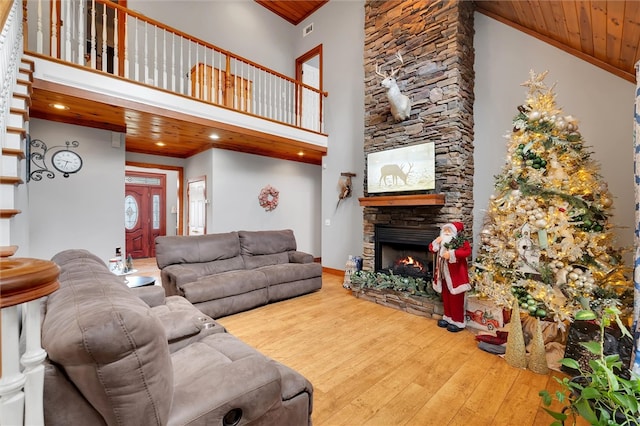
x: 10, y: 54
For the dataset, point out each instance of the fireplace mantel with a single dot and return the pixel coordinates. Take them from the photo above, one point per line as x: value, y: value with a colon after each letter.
x: 403, y: 200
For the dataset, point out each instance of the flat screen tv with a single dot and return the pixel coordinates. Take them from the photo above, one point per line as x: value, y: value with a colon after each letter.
x: 410, y: 168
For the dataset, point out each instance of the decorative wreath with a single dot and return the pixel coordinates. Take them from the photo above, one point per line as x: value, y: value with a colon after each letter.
x: 268, y: 198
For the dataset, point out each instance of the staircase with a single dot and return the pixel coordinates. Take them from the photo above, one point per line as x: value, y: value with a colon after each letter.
x: 13, y: 152
x: 24, y: 282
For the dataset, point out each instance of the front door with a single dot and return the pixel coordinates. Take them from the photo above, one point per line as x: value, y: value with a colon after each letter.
x: 144, y: 213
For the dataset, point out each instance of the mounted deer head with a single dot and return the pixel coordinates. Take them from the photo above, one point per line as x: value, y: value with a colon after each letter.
x: 400, y: 104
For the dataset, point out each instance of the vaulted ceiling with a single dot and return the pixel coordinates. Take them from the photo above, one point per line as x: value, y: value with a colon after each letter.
x: 604, y: 33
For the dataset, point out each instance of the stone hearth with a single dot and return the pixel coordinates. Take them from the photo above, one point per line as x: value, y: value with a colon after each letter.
x: 416, y: 305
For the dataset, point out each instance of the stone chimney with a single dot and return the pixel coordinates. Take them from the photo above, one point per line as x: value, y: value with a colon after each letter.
x: 435, y: 39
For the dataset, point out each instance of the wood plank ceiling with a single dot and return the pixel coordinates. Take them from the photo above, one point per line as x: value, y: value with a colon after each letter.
x: 293, y: 11
x: 604, y: 33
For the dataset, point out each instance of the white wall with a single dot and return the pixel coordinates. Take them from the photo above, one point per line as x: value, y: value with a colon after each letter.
x: 339, y: 27
x: 602, y: 102
x: 84, y: 210
x: 234, y: 181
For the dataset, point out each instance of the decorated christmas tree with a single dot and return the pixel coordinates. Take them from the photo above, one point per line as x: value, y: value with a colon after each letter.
x: 547, y: 240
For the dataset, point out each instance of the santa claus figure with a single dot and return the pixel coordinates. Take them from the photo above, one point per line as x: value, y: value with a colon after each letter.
x: 451, y: 275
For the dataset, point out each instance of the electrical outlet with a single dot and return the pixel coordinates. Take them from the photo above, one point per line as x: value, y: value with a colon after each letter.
x: 327, y: 222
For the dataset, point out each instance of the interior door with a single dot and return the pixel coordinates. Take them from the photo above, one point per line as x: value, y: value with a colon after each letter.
x: 310, y: 99
x: 308, y: 102
x: 197, y: 201
x: 144, y: 213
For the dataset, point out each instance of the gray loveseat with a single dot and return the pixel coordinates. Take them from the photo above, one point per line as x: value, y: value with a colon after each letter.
x: 227, y: 273
x: 114, y: 359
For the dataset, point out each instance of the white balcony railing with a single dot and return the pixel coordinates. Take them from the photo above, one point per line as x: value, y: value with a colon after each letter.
x: 104, y: 36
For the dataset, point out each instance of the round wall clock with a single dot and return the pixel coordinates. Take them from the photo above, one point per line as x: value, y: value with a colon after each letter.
x: 66, y: 162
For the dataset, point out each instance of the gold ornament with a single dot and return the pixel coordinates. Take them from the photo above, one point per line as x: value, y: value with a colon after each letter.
x: 538, y: 355
x: 515, y: 354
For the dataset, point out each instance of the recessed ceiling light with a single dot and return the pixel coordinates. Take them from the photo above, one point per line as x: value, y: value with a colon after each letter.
x: 160, y: 143
x: 214, y: 136
x: 301, y: 154
x: 59, y: 106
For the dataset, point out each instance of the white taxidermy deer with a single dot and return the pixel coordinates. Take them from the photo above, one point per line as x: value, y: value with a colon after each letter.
x: 395, y: 172
x: 400, y: 104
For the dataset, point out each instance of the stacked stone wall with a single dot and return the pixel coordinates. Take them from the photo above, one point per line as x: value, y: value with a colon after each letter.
x: 435, y: 39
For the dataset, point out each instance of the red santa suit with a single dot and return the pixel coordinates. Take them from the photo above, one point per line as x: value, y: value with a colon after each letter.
x: 451, y: 276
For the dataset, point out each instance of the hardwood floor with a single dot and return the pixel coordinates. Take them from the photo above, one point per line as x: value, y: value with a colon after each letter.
x: 373, y: 365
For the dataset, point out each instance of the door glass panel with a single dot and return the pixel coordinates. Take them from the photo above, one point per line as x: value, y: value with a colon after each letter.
x: 142, y: 180
x: 156, y: 211
x: 130, y: 212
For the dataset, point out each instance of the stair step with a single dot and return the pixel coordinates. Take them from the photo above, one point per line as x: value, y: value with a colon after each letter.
x: 23, y: 69
x: 26, y: 98
x: 13, y: 152
x: 21, y: 112
x: 15, y: 120
x: 25, y: 75
x: 19, y: 103
x: 10, y: 166
x: 7, y: 197
x: 28, y: 64
x: 14, y: 138
x: 17, y: 130
x: 7, y: 251
x: 11, y: 180
x: 9, y: 213
x: 23, y: 87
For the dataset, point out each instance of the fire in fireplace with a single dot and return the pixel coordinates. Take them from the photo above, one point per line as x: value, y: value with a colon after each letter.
x: 404, y: 251
x: 411, y: 267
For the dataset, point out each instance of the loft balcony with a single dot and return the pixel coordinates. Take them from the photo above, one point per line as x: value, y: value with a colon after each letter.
x: 167, y: 91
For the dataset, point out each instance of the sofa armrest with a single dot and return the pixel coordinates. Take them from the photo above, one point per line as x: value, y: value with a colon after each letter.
x: 205, y: 389
x: 183, y: 323
x: 152, y: 295
x: 173, y: 276
x: 300, y: 257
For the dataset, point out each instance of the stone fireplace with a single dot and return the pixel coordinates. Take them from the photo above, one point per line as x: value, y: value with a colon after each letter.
x: 404, y: 251
x: 435, y: 40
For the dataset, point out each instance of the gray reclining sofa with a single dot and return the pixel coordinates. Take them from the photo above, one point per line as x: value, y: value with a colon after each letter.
x: 227, y: 273
x: 118, y: 359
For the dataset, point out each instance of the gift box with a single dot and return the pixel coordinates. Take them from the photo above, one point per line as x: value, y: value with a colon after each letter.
x: 483, y: 314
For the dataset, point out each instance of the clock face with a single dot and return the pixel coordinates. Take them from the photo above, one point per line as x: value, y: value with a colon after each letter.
x: 66, y: 162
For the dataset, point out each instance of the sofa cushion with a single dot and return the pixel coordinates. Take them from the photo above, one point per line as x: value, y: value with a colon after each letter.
x: 254, y: 243
x: 277, y: 274
x: 76, y: 255
x: 260, y: 260
x: 221, y: 373
x: 223, y: 285
x: 102, y: 335
x: 172, y: 250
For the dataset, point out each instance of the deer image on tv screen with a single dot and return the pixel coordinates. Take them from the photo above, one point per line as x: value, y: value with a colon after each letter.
x: 395, y: 172
x: 404, y: 169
